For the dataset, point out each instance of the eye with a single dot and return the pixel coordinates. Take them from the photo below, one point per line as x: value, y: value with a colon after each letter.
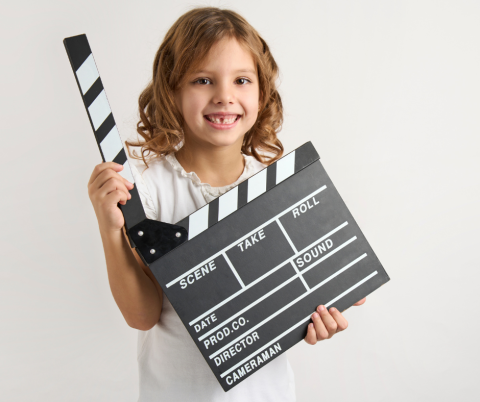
x: 201, y: 81
x: 245, y: 80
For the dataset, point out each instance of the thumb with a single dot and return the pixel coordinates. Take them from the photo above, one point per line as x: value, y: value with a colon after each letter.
x: 360, y: 302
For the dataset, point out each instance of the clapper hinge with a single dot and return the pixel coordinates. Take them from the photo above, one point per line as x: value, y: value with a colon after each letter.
x: 153, y: 239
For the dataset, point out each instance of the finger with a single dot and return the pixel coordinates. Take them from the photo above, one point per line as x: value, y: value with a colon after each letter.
x: 101, y: 179
x: 360, y: 302
x: 120, y: 197
x: 342, y: 323
x: 106, y: 175
x: 115, y: 197
x: 328, y: 321
x: 320, y: 329
x: 113, y: 184
x: 311, y: 337
x: 102, y: 167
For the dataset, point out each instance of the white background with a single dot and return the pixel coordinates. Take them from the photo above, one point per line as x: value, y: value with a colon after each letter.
x: 389, y: 93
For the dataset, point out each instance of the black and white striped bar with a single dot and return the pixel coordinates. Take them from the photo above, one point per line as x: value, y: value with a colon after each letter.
x: 101, y: 118
x: 250, y: 189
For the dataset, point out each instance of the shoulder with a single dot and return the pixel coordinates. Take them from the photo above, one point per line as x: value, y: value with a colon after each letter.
x: 252, y: 165
x: 155, y: 166
x: 159, y: 172
x: 149, y: 180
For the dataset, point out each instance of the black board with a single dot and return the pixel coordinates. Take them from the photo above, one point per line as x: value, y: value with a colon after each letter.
x: 255, y: 262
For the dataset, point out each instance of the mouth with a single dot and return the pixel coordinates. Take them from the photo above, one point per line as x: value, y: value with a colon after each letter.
x: 222, y: 119
x: 222, y: 122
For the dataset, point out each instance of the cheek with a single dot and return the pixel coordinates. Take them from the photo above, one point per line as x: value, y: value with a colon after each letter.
x: 252, y: 108
x: 192, y: 108
x: 252, y: 102
x: 188, y: 103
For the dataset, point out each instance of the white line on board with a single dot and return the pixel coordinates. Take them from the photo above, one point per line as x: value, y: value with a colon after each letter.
x: 297, y: 325
x: 287, y: 236
x: 244, y: 237
x: 267, y: 274
x: 295, y: 251
x: 234, y: 270
x: 299, y: 275
x: 289, y: 305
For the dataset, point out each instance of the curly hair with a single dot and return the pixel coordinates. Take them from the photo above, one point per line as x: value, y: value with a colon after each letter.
x: 183, y: 49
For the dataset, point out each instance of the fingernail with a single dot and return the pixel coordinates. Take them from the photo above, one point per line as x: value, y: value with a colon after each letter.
x: 321, y: 308
x: 333, y: 309
x: 315, y: 315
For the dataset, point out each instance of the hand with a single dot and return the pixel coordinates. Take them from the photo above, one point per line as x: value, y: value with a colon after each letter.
x: 327, y: 323
x: 106, y: 188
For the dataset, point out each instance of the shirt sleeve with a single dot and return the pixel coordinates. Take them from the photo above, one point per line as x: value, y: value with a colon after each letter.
x: 145, y: 197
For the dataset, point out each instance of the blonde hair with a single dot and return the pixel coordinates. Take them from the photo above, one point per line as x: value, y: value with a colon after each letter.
x: 183, y: 49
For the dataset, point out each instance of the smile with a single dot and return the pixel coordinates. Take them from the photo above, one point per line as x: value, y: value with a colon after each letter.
x: 222, y: 122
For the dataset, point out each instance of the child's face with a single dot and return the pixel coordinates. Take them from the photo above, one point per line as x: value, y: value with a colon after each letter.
x: 226, y: 91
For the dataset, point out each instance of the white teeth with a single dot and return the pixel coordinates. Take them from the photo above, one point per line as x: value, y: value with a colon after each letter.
x: 222, y: 120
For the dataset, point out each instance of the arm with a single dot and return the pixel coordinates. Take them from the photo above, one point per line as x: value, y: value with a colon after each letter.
x: 134, y: 288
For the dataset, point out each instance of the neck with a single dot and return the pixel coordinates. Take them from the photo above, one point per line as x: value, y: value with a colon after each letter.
x: 217, y: 166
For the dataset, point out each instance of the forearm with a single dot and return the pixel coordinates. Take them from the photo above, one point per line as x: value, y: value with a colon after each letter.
x: 134, y: 292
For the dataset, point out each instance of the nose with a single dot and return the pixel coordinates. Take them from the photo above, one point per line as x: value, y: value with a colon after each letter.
x: 224, y: 94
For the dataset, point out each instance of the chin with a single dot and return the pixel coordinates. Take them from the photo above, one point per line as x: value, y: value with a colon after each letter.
x: 224, y: 140
x: 224, y: 143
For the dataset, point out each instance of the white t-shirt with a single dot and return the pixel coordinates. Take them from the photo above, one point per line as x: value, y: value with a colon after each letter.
x: 171, y: 367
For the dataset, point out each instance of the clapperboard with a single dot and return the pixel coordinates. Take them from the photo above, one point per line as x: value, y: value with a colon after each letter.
x: 246, y: 271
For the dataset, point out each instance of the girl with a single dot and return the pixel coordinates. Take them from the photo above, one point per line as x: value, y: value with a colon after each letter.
x: 209, y: 120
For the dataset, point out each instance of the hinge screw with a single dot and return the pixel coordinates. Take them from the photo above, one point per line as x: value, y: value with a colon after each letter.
x: 152, y: 251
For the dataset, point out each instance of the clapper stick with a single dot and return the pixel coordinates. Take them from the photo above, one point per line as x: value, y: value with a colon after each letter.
x: 157, y: 238
x: 246, y: 271
x: 101, y: 118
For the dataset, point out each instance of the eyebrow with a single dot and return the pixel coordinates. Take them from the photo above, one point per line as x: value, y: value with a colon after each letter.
x: 237, y: 71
